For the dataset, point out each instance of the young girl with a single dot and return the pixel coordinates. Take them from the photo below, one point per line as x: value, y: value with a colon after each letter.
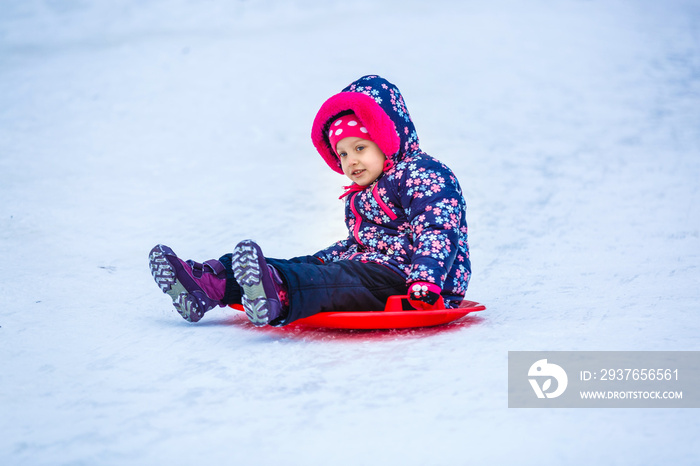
x: 406, y: 221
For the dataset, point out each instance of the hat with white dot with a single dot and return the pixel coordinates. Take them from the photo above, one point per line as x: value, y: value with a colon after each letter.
x: 346, y: 126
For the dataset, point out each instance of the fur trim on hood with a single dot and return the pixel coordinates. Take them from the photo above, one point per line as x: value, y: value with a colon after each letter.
x: 380, y: 107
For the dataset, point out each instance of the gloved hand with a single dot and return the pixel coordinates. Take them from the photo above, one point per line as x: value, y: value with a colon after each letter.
x: 425, y: 296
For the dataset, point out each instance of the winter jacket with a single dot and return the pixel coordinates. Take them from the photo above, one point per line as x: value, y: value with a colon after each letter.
x: 412, y: 218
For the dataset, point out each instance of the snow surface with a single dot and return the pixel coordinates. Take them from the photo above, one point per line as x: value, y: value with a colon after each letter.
x: 573, y: 126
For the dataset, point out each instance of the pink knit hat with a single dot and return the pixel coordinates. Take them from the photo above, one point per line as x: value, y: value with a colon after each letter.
x: 347, y: 126
x: 381, y: 129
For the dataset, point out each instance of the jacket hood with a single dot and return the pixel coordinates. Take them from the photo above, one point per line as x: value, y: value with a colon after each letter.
x: 380, y: 108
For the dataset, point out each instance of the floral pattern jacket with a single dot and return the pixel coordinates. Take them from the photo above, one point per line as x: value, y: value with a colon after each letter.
x: 412, y: 218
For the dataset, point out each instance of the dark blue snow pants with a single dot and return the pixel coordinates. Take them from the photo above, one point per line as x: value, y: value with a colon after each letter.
x: 314, y: 286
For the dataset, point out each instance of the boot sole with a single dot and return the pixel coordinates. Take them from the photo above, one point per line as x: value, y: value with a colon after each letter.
x: 164, y: 276
x: 247, y: 270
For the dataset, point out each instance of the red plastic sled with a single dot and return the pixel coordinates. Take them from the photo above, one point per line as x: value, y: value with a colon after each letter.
x: 394, y: 316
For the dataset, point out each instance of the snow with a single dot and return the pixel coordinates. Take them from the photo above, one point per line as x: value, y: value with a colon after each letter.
x: 572, y: 126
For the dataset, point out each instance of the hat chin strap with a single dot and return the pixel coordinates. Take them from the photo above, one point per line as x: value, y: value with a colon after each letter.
x: 388, y: 165
x: 353, y: 188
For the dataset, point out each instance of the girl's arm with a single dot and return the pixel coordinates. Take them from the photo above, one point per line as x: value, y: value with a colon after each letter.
x: 436, y: 209
x: 336, y: 250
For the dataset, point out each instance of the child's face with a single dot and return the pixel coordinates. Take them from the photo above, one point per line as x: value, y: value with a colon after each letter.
x: 361, y: 159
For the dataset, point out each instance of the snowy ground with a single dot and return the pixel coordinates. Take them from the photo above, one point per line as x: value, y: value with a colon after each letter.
x: 574, y: 127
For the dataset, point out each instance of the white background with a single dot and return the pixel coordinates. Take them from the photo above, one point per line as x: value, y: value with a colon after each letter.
x: 573, y: 126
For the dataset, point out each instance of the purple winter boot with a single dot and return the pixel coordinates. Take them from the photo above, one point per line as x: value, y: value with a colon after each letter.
x: 194, y: 288
x: 261, y: 284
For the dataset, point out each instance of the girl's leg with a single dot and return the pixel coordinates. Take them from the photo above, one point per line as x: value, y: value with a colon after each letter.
x: 309, y: 286
x: 233, y: 292
x: 336, y: 286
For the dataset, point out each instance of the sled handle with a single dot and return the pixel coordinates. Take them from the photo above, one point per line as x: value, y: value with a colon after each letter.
x: 399, y: 303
